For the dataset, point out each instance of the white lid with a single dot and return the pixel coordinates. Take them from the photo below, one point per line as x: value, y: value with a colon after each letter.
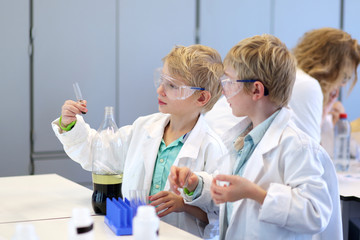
x: 146, y: 211
x: 81, y: 217
x: 25, y: 231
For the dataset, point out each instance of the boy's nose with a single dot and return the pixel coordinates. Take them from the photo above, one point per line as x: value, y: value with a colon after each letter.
x: 160, y: 90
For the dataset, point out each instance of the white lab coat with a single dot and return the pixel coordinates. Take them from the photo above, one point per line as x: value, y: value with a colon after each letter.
x: 307, y: 103
x: 302, y: 190
x: 141, y: 142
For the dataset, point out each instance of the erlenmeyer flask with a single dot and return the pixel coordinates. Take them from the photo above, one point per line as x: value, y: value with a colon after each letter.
x: 107, y: 165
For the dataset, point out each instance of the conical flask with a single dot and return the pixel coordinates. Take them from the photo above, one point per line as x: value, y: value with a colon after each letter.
x: 107, y: 165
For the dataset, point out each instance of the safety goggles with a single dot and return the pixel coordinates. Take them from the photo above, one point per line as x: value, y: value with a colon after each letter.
x: 233, y: 87
x: 173, y: 88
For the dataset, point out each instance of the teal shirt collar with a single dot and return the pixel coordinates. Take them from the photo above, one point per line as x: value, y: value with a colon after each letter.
x: 256, y: 134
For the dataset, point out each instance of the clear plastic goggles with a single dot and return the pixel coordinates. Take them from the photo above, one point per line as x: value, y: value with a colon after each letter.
x: 233, y: 87
x: 173, y: 88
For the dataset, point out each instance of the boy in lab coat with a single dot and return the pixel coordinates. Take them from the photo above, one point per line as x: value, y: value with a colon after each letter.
x: 283, y: 184
x: 187, y: 87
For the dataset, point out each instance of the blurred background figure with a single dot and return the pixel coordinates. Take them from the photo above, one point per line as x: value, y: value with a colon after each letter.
x: 327, y: 58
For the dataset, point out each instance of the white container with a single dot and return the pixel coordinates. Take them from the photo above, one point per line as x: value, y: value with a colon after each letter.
x: 81, y: 225
x: 342, y: 143
x: 146, y: 224
x: 24, y: 231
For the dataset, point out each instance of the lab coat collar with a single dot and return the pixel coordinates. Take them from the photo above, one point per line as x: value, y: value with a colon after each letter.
x: 156, y: 128
x: 272, y: 135
x: 155, y: 132
x: 194, y: 140
x: 190, y: 149
x: 270, y: 141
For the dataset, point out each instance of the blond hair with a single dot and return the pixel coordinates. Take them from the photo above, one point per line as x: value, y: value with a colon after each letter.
x: 198, y: 66
x: 322, y: 53
x: 267, y: 59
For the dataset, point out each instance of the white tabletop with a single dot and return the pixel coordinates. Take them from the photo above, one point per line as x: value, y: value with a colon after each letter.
x: 46, y: 202
x: 57, y: 229
x: 349, y: 182
x: 39, y: 197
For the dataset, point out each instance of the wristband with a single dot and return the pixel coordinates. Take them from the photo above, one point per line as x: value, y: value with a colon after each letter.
x: 68, y: 127
x: 187, y: 192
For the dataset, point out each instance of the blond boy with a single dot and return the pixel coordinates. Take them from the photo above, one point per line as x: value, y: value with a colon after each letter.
x: 283, y: 184
x: 188, y: 86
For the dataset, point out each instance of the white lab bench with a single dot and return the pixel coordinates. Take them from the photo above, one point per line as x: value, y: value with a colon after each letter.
x: 46, y: 201
x: 349, y: 189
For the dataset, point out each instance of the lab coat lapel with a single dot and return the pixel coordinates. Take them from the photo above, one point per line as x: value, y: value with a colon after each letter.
x: 190, y: 150
x: 257, y: 163
x: 269, y: 141
x: 230, y: 135
x: 193, y: 143
x: 154, y: 135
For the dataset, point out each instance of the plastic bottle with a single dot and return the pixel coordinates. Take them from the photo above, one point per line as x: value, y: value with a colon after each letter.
x: 146, y: 223
x: 25, y: 231
x: 342, y: 143
x: 81, y: 225
x: 107, y: 165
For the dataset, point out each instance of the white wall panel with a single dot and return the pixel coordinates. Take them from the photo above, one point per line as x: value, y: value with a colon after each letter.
x: 74, y: 41
x: 225, y: 23
x: 15, y: 88
x: 148, y: 31
x: 292, y: 18
x: 351, y: 25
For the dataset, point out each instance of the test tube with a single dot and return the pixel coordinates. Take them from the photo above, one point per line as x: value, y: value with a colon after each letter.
x: 78, y: 94
x: 187, y: 179
x: 218, y: 182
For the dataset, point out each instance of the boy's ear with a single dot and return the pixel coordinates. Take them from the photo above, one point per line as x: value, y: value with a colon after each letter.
x: 203, y: 98
x: 258, y: 90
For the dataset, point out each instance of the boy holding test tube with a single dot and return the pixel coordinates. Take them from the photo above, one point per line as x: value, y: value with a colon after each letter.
x: 188, y: 86
x: 283, y: 184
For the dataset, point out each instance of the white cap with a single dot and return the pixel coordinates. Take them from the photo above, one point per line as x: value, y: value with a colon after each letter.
x: 146, y: 211
x: 81, y: 217
x: 25, y: 231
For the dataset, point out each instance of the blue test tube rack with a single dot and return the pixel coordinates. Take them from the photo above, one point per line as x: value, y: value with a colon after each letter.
x: 119, y: 216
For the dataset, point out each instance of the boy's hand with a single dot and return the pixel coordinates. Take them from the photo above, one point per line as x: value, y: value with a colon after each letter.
x: 70, y: 109
x: 237, y: 189
x: 167, y: 202
x: 182, y: 177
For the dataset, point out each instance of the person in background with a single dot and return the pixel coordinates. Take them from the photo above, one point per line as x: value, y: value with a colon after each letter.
x: 188, y: 86
x: 283, y: 183
x: 327, y: 59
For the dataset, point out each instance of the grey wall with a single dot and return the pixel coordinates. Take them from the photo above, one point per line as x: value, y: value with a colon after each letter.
x: 112, y: 48
x: 351, y: 20
x: 15, y: 87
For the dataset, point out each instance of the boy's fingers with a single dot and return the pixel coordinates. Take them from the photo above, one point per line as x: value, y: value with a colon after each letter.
x: 222, y: 177
x: 173, y: 172
x: 164, y: 213
x: 174, y: 188
x: 157, y: 202
x: 158, y: 195
x: 182, y: 176
x: 162, y: 206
